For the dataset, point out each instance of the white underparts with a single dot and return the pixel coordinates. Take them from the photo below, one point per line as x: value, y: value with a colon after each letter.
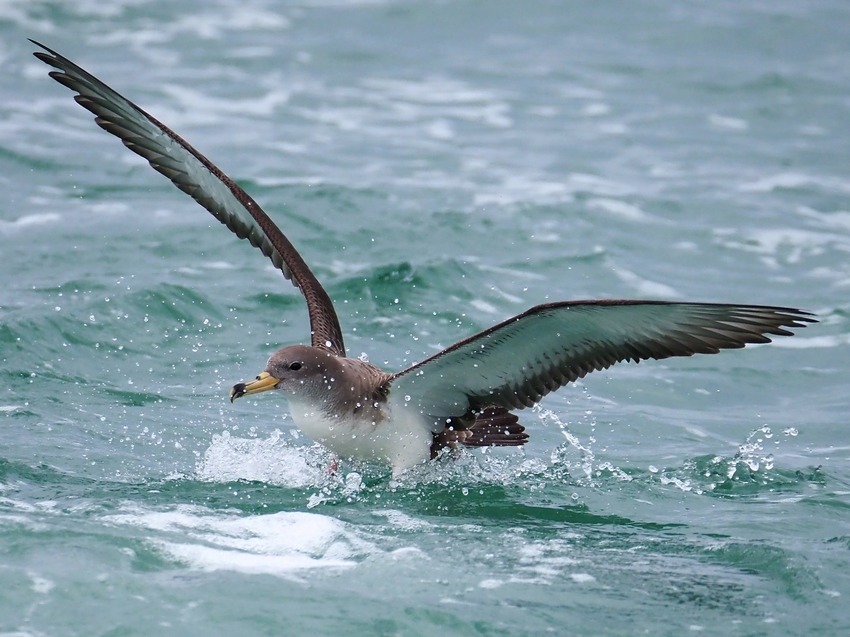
x: 401, y: 437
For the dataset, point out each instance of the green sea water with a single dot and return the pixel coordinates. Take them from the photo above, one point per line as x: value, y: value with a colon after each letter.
x: 441, y: 166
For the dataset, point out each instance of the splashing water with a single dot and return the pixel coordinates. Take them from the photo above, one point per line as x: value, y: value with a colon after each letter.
x: 753, y: 465
x: 751, y: 455
x: 586, y: 465
x: 273, y: 460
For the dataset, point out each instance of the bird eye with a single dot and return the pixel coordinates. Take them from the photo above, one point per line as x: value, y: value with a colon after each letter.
x: 295, y: 366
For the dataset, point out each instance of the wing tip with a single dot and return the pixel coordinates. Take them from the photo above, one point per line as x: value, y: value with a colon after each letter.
x: 47, y: 54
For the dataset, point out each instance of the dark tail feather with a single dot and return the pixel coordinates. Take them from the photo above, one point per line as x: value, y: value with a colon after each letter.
x: 492, y: 427
x: 496, y: 427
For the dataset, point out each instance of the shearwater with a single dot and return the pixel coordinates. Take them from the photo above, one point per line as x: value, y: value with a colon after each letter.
x: 463, y: 395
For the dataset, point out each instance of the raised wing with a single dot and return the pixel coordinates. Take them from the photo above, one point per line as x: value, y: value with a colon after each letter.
x: 195, y: 175
x: 517, y: 362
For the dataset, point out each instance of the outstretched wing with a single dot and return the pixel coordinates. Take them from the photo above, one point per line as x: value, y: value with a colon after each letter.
x: 195, y: 175
x: 517, y: 362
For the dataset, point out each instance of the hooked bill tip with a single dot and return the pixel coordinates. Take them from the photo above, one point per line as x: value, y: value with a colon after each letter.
x: 237, y: 391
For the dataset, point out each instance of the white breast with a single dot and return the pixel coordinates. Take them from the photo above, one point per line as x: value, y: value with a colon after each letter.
x: 400, y: 437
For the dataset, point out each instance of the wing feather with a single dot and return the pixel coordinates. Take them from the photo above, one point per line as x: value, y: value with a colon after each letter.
x: 170, y: 155
x: 517, y: 362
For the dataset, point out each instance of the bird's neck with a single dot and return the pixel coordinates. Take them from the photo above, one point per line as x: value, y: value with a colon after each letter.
x: 351, y: 389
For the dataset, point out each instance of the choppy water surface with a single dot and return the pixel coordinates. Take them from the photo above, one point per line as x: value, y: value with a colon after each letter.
x: 442, y: 166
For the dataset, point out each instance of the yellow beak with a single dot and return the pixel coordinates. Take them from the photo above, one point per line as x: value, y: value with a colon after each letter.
x: 264, y: 382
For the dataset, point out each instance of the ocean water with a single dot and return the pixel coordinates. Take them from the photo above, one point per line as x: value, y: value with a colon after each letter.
x: 441, y: 166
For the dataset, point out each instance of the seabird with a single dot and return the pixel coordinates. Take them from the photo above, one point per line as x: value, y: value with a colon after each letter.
x: 463, y: 395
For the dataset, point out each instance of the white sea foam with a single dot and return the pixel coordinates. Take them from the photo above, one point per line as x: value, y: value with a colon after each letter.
x: 792, y: 181
x: 218, y: 265
x: 546, y: 237
x: 282, y: 544
x: 108, y: 208
x: 404, y: 521
x: 791, y: 243
x: 521, y: 188
x: 513, y: 298
x: 814, y: 342
x: 511, y: 272
x: 545, y: 560
x: 838, y: 220
x: 206, y: 108
x: 645, y: 286
x: 538, y: 562
x: 431, y: 90
x: 619, y: 208
x: 441, y: 129
x: 41, y: 585
x: 483, y: 306
x: 596, y: 109
x: 27, y: 221
x: 727, y: 123
x: 524, y: 187
x: 613, y: 128
x: 21, y: 14
x: 211, y: 24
